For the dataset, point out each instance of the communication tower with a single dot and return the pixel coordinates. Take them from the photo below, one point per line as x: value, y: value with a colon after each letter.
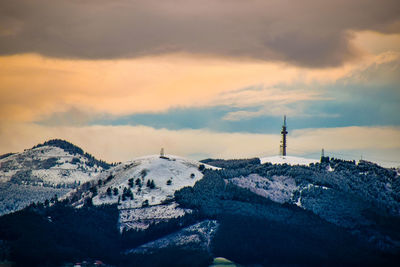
x: 284, y: 132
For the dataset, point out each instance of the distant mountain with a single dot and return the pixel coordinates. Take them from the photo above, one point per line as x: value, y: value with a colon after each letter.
x: 47, y: 170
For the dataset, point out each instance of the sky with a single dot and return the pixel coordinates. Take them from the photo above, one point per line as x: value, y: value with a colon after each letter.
x: 210, y: 78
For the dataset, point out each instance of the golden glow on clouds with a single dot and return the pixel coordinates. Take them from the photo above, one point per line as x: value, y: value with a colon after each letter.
x: 375, y: 42
x: 32, y: 86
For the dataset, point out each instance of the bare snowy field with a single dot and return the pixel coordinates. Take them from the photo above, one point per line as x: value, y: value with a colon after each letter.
x: 141, y: 218
x: 278, y: 188
x: 48, y: 164
x: 179, y: 171
x: 146, y: 204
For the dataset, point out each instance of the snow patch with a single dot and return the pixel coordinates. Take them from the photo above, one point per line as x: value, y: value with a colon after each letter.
x: 278, y: 188
x: 330, y: 169
x: 196, y: 236
x: 141, y: 218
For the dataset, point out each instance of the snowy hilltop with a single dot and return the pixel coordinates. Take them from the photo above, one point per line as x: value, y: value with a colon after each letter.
x: 142, y: 188
x: 47, y: 170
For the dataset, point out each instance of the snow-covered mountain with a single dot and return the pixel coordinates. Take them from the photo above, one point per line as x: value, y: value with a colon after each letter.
x: 143, y: 188
x: 177, y: 208
x: 52, y: 168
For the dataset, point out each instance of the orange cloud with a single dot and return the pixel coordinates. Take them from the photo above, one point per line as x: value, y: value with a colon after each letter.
x: 33, y: 86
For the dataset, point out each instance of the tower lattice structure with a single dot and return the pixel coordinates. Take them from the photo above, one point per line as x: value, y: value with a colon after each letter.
x: 284, y: 132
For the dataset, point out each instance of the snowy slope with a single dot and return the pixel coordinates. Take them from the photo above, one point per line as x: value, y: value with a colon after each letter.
x: 330, y: 204
x: 277, y: 188
x: 141, y: 218
x: 47, y: 165
x: 290, y: 160
x: 181, y: 172
x: 196, y: 236
x: 140, y: 204
x: 41, y: 173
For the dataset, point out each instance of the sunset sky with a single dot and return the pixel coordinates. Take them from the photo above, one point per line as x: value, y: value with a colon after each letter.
x: 209, y: 78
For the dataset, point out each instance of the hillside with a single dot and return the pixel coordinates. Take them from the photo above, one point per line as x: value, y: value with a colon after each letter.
x: 52, y: 168
x: 155, y: 211
x: 360, y: 197
x: 143, y: 188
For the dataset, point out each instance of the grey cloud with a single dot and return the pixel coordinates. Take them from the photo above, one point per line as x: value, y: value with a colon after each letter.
x: 310, y: 33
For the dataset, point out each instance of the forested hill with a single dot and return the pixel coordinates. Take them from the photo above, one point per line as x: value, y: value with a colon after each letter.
x: 73, y: 149
x: 335, y: 212
x: 45, y: 171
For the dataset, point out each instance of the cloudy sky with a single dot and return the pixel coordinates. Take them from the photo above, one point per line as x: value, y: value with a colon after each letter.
x: 209, y: 78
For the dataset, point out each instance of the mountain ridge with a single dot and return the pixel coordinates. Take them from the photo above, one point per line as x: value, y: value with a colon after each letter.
x: 155, y: 204
x: 43, y: 172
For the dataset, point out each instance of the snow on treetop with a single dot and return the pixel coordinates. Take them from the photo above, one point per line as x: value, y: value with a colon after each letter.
x: 290, y: 160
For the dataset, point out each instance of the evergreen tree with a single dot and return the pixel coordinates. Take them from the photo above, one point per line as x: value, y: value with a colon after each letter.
x: 109, y: 192
x: 94, y: 190
x: 201, y: 167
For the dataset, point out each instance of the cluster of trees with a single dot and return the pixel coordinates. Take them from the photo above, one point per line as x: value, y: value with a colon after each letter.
x: 73, y: 149
x: 112, y: 191
x: 353, y: 195
x: 232, y: 163
x: 253, y: 229
x: 49, y: 236
x: 366, y: 180
x: 127, y: 193
x: 254, y: 240
x: 216, y: 199
x: 150, y: 184
x: 6, y: 155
